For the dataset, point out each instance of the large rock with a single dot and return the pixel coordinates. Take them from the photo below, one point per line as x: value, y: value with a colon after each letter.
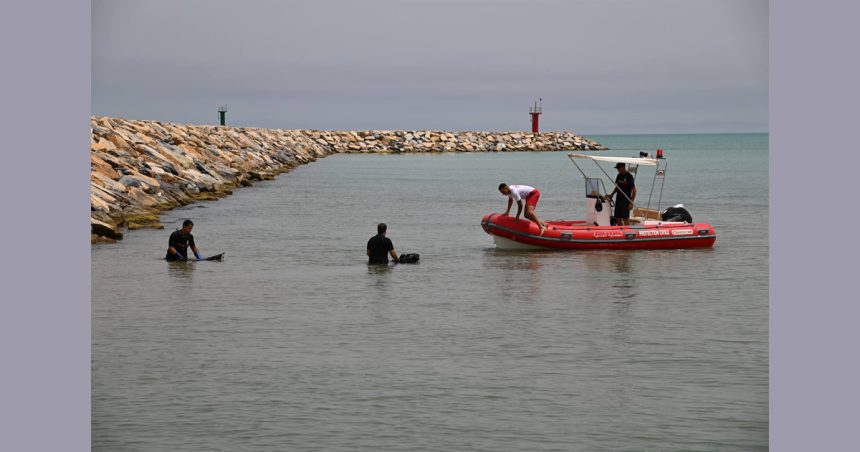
x: 103, y: 145
x: 118, y: 141
x: 99, y: 165
x: 103, y: 229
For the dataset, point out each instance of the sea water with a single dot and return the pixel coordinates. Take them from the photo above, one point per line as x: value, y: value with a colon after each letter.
x: 294, y: 343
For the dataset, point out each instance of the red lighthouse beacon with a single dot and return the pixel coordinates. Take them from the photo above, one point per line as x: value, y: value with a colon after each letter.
x: 535, y: 112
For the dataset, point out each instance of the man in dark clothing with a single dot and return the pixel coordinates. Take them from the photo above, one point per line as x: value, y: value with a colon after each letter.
x: 379, y: 247
x: 626, y: 189
x: 180, y: 241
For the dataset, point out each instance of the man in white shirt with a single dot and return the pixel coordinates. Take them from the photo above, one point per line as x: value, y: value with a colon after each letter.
x: 518, y: 193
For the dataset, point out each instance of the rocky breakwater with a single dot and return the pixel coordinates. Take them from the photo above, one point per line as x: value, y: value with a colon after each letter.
x: 140, y: 168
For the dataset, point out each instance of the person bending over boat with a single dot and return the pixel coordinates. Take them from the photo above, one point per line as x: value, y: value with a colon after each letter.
x: 518, y: 193
x: 379, y: 247
x: 180, y: 241
x: 625, y: 196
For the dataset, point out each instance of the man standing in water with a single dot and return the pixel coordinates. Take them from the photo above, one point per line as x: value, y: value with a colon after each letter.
x: 379, y: 247
x: 180, y: 241
x: 626, y: 195
x: 518, y: 193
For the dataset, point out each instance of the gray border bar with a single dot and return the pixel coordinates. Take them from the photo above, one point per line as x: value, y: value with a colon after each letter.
x: 814, y: 372
x: 45, y: 290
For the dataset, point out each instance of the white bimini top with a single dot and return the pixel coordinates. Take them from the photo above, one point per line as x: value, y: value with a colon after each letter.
x: 519, y: 192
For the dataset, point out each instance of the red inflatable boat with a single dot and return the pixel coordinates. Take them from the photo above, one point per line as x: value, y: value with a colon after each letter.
x: 648, y: 229
x: 510, y: 233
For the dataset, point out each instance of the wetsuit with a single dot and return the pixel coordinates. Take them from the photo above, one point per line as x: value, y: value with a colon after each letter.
x: 379, y: 246
x: 181, y: 243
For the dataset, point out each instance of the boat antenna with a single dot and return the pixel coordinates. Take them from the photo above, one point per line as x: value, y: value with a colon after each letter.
x: 662, y: 183
x: 654, y: 183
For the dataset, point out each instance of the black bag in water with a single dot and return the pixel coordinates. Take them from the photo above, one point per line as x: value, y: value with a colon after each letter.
x: 676, y: 214
x: 409, y: 258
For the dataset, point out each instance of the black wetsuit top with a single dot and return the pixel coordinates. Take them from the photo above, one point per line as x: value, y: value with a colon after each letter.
x: 180, y: 242
x: 622, y: 204
x: 379, y: 246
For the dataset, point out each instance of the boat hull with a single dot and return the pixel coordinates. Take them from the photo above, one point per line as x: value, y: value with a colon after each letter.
x: 510, y: 233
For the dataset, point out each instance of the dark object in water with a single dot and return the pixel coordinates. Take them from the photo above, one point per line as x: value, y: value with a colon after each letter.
x: 676, y: 214
x: 409, y: 258
x: 217, y: 257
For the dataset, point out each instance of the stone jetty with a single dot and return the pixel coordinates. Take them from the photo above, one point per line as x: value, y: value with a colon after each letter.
x: 141, y: 168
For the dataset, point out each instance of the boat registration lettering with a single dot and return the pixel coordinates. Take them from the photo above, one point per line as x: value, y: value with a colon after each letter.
x: 608, y: 234
x: 682, y: 232
x: 653, y: 233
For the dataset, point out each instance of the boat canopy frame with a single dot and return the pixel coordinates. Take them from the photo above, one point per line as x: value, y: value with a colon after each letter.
x: 660, y: 165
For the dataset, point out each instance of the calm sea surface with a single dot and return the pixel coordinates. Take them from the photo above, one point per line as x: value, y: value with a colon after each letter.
x: 294, y: 343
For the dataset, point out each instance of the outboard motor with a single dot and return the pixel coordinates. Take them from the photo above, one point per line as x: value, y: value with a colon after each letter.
x: 408, y: 258
x: 676, y: 213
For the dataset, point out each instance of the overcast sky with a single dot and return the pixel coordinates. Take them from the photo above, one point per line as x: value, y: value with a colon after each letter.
x: 601, y: 66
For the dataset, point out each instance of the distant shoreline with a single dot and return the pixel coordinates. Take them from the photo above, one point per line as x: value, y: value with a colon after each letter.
x: 141, y: 168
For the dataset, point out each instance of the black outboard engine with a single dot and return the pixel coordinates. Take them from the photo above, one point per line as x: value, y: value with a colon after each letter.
x: 676, y: 213
x: 409, y: 258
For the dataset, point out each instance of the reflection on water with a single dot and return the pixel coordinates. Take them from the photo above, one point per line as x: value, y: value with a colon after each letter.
x: 378, y: 278
x: 520, y: 271
x: 378, y: 269
x: 625, y: 280
x: 181, y: 270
